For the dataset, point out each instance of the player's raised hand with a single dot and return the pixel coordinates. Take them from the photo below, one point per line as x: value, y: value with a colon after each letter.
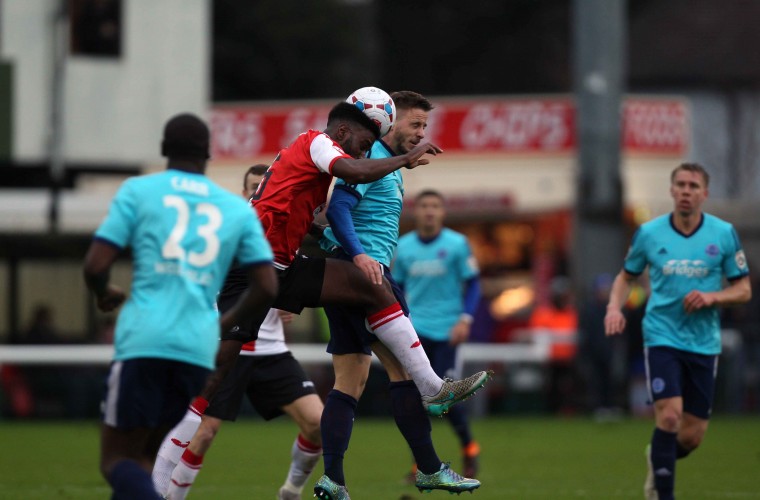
x: 370, y: 267
x: 459, y: 333
x: 614, y: 322
x: 414, y: 157
x: 112, y: 298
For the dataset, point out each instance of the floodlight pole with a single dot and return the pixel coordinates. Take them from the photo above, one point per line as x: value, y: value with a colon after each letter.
x: 57, y: 102
x: 599, y: 36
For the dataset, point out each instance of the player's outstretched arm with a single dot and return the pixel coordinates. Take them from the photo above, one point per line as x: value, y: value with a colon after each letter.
x: 364, y: 170
x: 255, y: 301
x: 97, y: 271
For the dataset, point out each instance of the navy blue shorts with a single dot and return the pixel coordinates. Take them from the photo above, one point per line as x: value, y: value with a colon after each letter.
x: 269, y: 381
x: 443, y: 357
x: 676, y: 373
x: 150, y: 392
x: 349, y: 333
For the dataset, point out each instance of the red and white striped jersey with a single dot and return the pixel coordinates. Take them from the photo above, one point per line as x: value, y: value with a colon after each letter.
x: 294, y: 190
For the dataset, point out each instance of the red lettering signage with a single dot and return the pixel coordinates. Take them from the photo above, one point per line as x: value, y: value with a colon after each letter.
x: 521, y: 125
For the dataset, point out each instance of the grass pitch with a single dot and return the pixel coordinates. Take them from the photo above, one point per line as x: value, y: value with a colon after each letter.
x: 522, y: 458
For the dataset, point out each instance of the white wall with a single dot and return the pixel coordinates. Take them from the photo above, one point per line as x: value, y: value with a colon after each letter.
x: 114, y: 108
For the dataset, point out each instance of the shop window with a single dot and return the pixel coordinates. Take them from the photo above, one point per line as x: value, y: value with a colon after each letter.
x: 96, y: 28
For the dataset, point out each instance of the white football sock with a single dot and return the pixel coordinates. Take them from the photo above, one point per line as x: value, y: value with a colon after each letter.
x: 397, y: 333
x: 174, y: 445
x: 305, y: 456
x: 184, y: 475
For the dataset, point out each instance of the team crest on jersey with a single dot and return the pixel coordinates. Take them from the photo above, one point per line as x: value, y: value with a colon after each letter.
x: 740, y: 259
x: 712, y: 250
x: 441, y: 253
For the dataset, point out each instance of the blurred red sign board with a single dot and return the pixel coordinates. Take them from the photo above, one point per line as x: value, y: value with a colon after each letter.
x: 519, y: 126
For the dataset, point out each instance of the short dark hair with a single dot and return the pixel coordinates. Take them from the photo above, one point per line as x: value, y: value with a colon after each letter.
x: 185, y: 137
x: 407, y: 99
x: 429, y: 192
x: 691, y: 167
x: 258, y: 169
x: 346, y: 112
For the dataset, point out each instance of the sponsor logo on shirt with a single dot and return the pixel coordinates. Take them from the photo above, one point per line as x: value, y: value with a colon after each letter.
x: 685, y: 267
x: 427, y: 268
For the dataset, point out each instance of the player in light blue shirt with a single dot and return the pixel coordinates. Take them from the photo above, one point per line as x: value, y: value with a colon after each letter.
x: 439, y: 275
x: 364, y: 222
x: 375, y: 219
x: 688, y: 254
x: 184, y: 232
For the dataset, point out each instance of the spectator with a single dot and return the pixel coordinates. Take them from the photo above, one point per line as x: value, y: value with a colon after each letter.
x: 559, y: 320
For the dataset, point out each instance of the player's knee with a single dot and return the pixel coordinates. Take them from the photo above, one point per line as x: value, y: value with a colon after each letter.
x: 669, y: 419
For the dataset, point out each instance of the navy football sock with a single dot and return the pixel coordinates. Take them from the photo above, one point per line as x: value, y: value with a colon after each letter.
x: 414, y: 424
x: 130, y: 481
x: 337, y: 424
x: 663, y: 456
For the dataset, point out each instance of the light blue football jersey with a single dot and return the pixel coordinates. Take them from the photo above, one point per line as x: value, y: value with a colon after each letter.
x: 679, y: 264
x: 433, y: 275
x: 185, y: 232
x: 376, y: 217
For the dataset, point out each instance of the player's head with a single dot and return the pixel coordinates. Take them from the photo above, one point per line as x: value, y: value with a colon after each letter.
x: 429, y: 211
x: 689, y: 188
x: 691, y: 167
x: 352, y: 129
x: 252, y: 179
x: 408, y: 130
x: 186, y: 139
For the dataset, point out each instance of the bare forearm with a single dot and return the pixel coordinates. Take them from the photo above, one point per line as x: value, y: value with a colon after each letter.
x: 365, y: 171
x: 621, y: 289
x: 739, y: 292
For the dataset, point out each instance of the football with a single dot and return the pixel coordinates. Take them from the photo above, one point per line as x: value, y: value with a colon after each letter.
x: 377, y: 105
